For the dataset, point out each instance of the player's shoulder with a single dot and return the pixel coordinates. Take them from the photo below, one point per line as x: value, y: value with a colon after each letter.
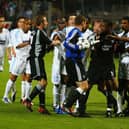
x: 121, y: 34
x: 29, y: 31
x: 68, y: 29
x: 16, y: 30
x: 128, y: 34
x: 53, y: 34
x: 5, y: 30
x: 87, y: 33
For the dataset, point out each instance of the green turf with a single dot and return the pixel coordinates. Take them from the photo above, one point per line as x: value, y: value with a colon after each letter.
x: 15, y: 116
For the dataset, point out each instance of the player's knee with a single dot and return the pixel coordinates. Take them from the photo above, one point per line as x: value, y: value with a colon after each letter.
x: 13, y: 77
x: 43, y: 83
x: 83, y: 85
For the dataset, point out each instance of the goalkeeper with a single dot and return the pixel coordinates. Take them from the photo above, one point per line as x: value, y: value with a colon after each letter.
x: 75, y: 46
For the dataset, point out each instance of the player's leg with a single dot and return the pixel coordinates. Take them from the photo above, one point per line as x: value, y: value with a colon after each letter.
x: 9, y: 85
x: 2, y: 51
x: 77, y: 76
x: 23, y: 86
x: 56, y: 82
x: 38, y: 72
x: 17, y: 67
x: 126, y: 96
x: 27, y: 80
x: 55, y: 96
x: 120, y: 97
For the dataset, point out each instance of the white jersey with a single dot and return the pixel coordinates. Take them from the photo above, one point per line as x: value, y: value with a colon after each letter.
x: 123, y: 72
x: 17, y: 37
x: 87, y: 33
x: 4, y: 41
x: 20, y: 64
x: 56, y: 62
x: 127, y: 35
x: 67, y: 30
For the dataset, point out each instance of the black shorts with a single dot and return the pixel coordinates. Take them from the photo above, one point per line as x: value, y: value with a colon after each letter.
x: 37, y: 68
x: 99, y: 73
x: 76, y: 71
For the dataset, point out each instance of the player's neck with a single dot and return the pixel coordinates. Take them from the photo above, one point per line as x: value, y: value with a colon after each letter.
x: 79, y: 27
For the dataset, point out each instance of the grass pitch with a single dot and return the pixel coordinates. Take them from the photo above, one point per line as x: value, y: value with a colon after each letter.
x: 16, y: 116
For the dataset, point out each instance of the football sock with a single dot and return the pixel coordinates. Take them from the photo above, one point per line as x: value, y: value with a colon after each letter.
x: 109, y: 99
x: 27, y: 89
x: 119, y: 102
x: 42, y: 98
x: 82, y: 103
x: 62, y: 94
x: 23, y: 88
x: 9, y: 85
x: 55, y: 95
x: 35, y: 92
x: 127, y: 99
x: 72, y: 97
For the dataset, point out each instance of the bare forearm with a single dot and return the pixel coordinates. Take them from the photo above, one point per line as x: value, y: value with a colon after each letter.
x: 21, y: 45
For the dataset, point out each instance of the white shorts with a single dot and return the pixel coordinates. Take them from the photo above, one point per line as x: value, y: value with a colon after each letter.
x: 56, y: 78
x: 19, y: 66
x: 2, y: 52
x: 123, y: 72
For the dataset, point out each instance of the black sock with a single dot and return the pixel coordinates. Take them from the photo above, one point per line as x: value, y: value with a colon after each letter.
x: 111, y: 101
x: 87, y: 95
x: 72, y: 97
x: 82, y: 103
x: 42, y: 98
x: 34, y: 93
x: 127, y: 99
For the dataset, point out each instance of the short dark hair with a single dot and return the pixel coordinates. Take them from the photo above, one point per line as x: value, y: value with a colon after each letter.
x: 108, y: 23
x: 38, y: 20
x: 69, y: 15
x: 125, y: 18
x: 79, y: 19
x: 14, y: 24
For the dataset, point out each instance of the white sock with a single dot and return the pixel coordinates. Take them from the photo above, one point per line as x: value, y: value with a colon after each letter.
x: 27, y: 89
x: 119, y: 103
x: 55, y: 95
x: 62, y: 94
x: 23, y: 86
x: 79, y: 90
x: 109, y: 109
x: 9, y: 85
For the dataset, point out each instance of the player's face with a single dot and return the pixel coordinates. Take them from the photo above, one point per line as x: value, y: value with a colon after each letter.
x: 2, y: 20
x: 27, y: 25
x: 83, y: 25
x: 20, y: 23
x: 87, y: 24
x: 71, y: 21
x: 97, y: 28
x: 125, y: 25
x: 45, y: 22
x: 61, y: 25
